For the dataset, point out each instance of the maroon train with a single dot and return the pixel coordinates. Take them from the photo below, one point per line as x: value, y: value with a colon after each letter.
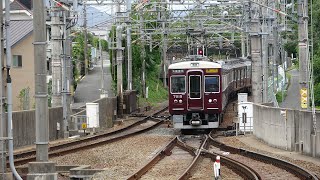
x: 199, y: 90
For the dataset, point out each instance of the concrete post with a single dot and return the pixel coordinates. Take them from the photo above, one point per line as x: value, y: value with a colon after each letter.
x: 243, y: 45
x: 143, y: 55
x: 56, y: 57
x: 42, y: 169
x: 65, y: 80
x: 129, y: 49
x: 164, y: 45
x: 256, y: 62
x: 85, y: 38
x: 119, y: 70
x: 103, y: 92
x: 275, y: 57
x: 69, y: 74
x: 265, y: 66
x: 303, y: 46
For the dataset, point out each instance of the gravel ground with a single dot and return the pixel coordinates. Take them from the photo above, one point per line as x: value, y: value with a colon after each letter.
x: 267, y: 171
x: 204, y: 171
x: 171, y: 167
x: 235, y: 142
x: 119, y: 159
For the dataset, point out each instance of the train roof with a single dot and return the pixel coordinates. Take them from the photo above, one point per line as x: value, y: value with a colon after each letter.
x: 194, y: 65
x: 235, y: 63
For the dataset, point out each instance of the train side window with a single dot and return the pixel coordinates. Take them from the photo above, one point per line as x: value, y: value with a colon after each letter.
x: 234, y: 75
x: 178, y: 84
x: 195, y: 87
x: 211, y: 83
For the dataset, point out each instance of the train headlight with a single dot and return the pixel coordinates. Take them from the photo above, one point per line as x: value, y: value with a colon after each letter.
x: 210, y: 100
x: 175, y: 101
x: 215, y: 100
x: 180, y: 101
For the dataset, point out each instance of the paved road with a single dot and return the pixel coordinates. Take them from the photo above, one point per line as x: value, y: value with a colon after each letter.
x: 292, y: 99
x: 89, y: 88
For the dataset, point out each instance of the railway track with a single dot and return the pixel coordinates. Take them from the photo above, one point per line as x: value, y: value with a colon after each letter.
x: 237, y: 162
x: 142, y: 125
x: 240, y: 169
x: 267, y: 167
x: 196, y: 147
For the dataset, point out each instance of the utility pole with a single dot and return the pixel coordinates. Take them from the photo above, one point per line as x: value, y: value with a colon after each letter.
x: 65, y: 80
x: 69, y: 77
x: 85, y: 38
x: 143, y: 55
x: 264, y: 47
x: 275, y: 46
x: 56, y: 57
x: 119, y: 63
x: 256, y: 60
x: 119, y: 70
x: 243, y: 45
x: 3, y: 118
x: 129, y: 49
x: 303, y: 51
x: 164, y: 45
x: 103, y: 92
x: 42, y: 168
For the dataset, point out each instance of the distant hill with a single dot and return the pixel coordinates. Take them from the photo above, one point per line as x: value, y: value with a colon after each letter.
x: 94, y: 17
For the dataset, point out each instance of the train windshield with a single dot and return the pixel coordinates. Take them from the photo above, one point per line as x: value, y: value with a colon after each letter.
x: 212, y: 84
x: 178, y: 84
x: 195, y: 86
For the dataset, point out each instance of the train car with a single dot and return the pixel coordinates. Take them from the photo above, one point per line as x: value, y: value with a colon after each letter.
x: 199, y: 91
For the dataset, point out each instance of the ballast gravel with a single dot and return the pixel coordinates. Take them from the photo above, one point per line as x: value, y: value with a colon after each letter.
x: 119, y: 159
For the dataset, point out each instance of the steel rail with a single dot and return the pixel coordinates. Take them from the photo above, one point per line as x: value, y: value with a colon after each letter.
x: 240, y: 168
x: 295, y: 169
x: 187, y: 172
x: 166, y: 151
x: 57, y: 150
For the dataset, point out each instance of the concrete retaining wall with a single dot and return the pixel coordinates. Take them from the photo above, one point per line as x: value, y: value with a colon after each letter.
x: 24, y: 121
x: 286, y: 128
x: 24, y: 126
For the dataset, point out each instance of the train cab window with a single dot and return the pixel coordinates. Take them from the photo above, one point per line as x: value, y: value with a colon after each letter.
x: 178, y: 84
x: 195, y: 87
x: 212, y: 84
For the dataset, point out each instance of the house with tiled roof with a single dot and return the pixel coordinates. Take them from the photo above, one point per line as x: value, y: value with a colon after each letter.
x: 22, y: 69
x: 21, y: 10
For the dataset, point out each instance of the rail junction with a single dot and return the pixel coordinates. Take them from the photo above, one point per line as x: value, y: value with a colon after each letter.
x: 250, y: 29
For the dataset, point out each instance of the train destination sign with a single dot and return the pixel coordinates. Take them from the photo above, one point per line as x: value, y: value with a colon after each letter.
x: 214, y: 70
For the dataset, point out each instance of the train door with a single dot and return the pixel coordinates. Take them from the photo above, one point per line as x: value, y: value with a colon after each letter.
x: 195, y: 94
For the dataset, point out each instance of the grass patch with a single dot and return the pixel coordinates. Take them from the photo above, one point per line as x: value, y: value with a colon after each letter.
x: 281, y: 96
x: 156, y: 94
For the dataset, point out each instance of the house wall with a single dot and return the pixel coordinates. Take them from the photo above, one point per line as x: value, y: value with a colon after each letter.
x: 23, y: 77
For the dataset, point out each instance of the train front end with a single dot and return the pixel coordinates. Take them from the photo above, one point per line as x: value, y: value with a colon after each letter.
x: 195, y: 99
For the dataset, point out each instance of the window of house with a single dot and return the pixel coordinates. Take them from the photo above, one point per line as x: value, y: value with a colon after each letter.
x: 17, y: 61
